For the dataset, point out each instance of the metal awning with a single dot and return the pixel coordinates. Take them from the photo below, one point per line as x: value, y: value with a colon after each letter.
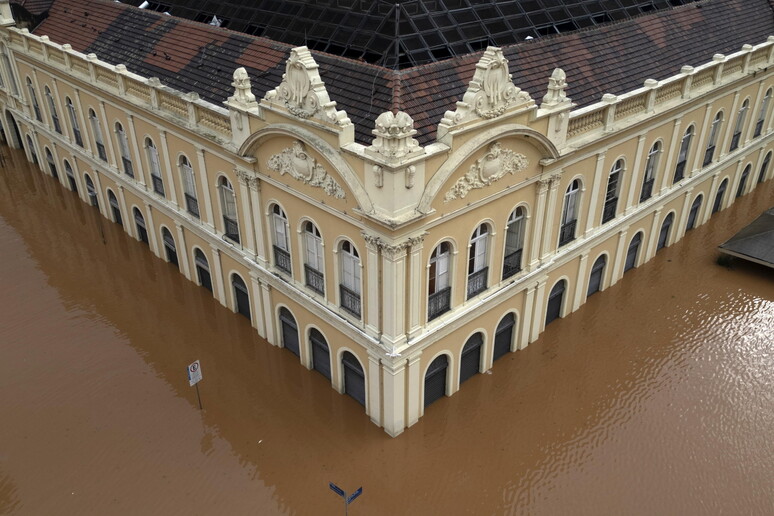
x: 755, y: 242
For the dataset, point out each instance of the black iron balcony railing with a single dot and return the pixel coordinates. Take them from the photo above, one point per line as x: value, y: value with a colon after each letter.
x: 567, y: 232
x: 708, y: 155
x: 350, y: 300
x: 512, y: 264
x: 438, y: 303
x: 192, y: 205
x: 477, y: 282
x: 128, y: 167
x: 647, y: 189
x: 101, y: 151
x: 679, y: 171
x: 608, y: 212
x: 735, y: 141
x: 758, y: 128
x: 232, y: 228
x: 158, y: 184
x: 314, y: 279
x: 282, y: 259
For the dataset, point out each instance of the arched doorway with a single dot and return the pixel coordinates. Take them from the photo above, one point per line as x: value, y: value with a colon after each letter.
x: 555, y: 299
x: 169, y: 247
x: 202, y: 269
x: 241, y: 297
x: 321, y: 355
x: 470, y: 361
x: 663, y: 236
x: 51, y: 163
x: 503, y: 336
x: 289, y: 331
x: 70, y: 177
x: 91, y: 191
x: 139, y: 222
x: 13, y: 135
x: 743, y: 181
x: 719, y: 196
x: 354, y: 378
x: 632, y: 252
x: 435, y: 379
x: 114, y: 208
x: 694, y: 213
x: 33, y: 154
x: 597, y: 272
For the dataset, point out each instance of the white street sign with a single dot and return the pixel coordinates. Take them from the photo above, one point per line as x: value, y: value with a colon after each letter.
x: 194, y: 373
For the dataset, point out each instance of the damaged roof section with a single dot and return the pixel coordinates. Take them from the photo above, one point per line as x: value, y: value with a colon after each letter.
x: 613, y: 58
x: 755, y: 242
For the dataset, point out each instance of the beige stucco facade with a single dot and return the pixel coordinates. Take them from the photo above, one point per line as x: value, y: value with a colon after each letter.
x: 397, y: 279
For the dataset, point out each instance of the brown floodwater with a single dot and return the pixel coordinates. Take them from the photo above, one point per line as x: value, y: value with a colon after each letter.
x: 656, y: 397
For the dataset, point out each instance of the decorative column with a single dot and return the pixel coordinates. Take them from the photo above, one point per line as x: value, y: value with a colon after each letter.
x: 538, y: 314
x: 205, y: 184
x: 217, y: 265
x: 103, y: 206
x: 730, y: 125
x: 394, y: 381
x: 414, y: 395
x: 139, y: 172
x: 537, y: 227
x: 416, y: 280
x: 620, y: 256
x: 654, y: 232
x: 84, y: 129
x: 669, y: 166
x: 634, y: 176
x: 374, y: 405
x: 713, y: 191
x: 548, y: 244
x: 182, y: 251
x: 580, y: 292
x: 257, y: 306
x: 733, y: 185
x: 169, y: 178
x: 108, y: 131
x: 599, y: 173
x: 128, y: 217
x: 374, y: 284
x: 526, y: 316
x: 268, y: 314
x: 680, y: 232
x: 247, y: 233
x: 393, y: 294
x: 151, y: 228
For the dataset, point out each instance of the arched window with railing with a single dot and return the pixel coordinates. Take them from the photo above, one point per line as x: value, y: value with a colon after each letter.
x: 570, y: 209
x: 349, y: 286
x: 34, y: 100
x: 281, y: 243
x: 228, y: 209
x: 514, y: 242
x: 189, y: 186
x: 613, y: 191
x: 96, y: 128
x: 740, y: 117
x: 740, y: 191
x: 73, y: 114
x: 709, y: 152
x: 651, y: 168
x: 764, y: 168
x: 154, y: 164
x: 439, y: 281
x: 478, y: 260
x: 682, y: 157
x: 313, y: 258
x: 762, y: 114
x: 70, y: 176
x: 52, y: 109
x: 123, y: 146
x: 51, y: 163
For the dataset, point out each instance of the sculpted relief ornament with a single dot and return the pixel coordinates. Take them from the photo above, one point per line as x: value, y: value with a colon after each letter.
x: 486, y: 170
x: 296, y: 162
x: 490, y: 93
x: 302, y: 91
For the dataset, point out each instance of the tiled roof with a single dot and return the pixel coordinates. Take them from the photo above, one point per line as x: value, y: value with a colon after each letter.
x: 34, y: 7
x: 614, y: 58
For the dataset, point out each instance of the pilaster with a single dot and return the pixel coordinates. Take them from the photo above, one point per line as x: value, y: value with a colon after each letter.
x: 206, y: 191
x: 394, y: 381
x: 701, y: 145
x: 537, y: 227
x: 217, y: 277
x: 169, y: 180
x: 620, y: 256
x: 580, y: 292
x: 414, y: 379
x: 394, y: 293
x: 680, y: 230
x: 128, y: 217
x: 526, y: 319
x: 538, y: 315
x: 182, y: 251
x: 729, y: 124
x: 107, y: 131
x: 669, y: 166
x: 548, y: 243
x: 257, y: 306
x: 374, y: 406
x: 713, y: 191
x: 654, y: 233
x: 139, y: 168
x: 374, y: 284
x: 635, y: 179
x: 416, y: 277
x: 247, y: 233
x: 151, y: 228
x: 268, y: 314
x: 599, y: 173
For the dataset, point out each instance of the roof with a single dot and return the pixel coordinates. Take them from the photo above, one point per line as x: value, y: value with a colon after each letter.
x: 613, y: 58
x: 34, y: 7
x: 755, y: 242
x: 406, y: 33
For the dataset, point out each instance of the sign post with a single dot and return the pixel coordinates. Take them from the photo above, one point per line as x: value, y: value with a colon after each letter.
x: 194, y: 377
x: 348, y: 499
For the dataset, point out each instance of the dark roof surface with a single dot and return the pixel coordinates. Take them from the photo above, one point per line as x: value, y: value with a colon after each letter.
x: 613, y: 58
x: 409, y: 32
x: 755, y: 241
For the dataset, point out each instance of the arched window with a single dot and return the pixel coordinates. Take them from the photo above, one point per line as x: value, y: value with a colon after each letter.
x: 470, y: 360
x: 169, y: 246
x: 651, y: 167
x: 155, y: 166
x: 555, y: 299
x: 241, y: 296
x: 139, y: 223
x: 719, y: 196
x: 597, y: 274
x: 34, y: 100
x: 478, y: 270
x: 743, y: 181
x: 123, y: 145
x: 439, y: 287
x: 33, y: 153
x: 682, y: 158
x: 51, y: 163
x: 189, y: 186
x: 764, y: 168
x: 228, y: 208
x: 313, y: 258
x: 9, y: 70
x: 91, y: 191
x: 74, y: 122
x: 96, y: 128
x: 52, y: 110
x: 570, y: 213
x: 632, y: 252
x: 762, y: 114
x: 694, y: 213
x: 354, y: 378
x: 70, y: 176
x: 202, y: 269
x: 739, y: 125
x: 612, y: 192
x: 713, y: 138
x: 115, y: 208
x: 281, y: 231
x: 663, y: 236
x: 321, y: 354
x: 289, y: 331
x: 349, y: 288
x: 514, y: 243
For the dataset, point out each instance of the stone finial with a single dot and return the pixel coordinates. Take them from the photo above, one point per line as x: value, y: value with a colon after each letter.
x: 243, y: 94
x: 393, y: 135
x: 557, y: 84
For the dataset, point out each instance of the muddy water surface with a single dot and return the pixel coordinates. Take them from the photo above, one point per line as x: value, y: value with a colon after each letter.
x: 656, y: 397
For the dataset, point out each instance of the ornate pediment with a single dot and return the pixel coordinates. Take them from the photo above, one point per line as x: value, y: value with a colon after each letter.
x: 302, y: 92
x: 490, y: 93
x: 486, y: 170
x: 296, y: 162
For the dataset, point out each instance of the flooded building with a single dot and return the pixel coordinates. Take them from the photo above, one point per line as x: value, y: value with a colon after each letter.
x: 398, y: 229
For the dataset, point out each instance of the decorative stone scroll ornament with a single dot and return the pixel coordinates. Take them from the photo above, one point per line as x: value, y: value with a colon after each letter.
x: 302, y: 91
x: 247, y: 179
x: 486, y: 170
x: 557, y: 84
x: 296, y: 162
x: 393, y: 135
x: 243, y: 94
x: 490, y: 93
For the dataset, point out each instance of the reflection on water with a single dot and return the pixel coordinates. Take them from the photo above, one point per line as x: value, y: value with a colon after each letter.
x: 655, y: 397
